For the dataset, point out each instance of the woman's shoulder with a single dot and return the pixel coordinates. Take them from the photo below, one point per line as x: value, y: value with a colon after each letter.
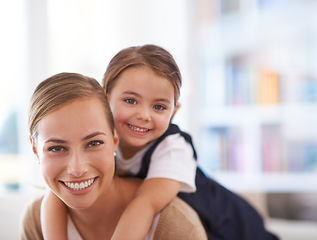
x: 179, y: 221
x: 31, y: 221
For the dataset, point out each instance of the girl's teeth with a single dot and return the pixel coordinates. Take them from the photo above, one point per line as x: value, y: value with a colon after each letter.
x: 79, y: 186
x: 138, y: 129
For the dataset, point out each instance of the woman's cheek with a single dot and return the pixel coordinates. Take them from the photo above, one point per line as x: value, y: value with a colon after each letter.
x: 105, y: 162
x: 51, y: 167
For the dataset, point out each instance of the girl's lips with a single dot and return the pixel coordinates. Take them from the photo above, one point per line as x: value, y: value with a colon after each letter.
x: 138, y: 129
x: 79, y: 187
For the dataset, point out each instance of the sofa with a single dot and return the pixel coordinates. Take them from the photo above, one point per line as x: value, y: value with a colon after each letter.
x: 284, y: 213
x: 13, y: 202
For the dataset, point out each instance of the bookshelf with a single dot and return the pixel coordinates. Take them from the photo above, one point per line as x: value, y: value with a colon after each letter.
x: 258, y: 93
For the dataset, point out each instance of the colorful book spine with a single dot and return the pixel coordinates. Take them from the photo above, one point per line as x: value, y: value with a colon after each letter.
x: 222, y: 150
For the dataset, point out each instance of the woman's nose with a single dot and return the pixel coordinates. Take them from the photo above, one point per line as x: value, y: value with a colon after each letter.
x: 77, y: 166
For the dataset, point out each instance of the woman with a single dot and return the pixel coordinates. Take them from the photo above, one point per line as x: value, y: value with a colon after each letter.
x: 73, y: 137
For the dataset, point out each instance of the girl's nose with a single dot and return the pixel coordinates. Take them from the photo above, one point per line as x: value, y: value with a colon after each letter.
x: 77, y: 166
x: 143, y: 114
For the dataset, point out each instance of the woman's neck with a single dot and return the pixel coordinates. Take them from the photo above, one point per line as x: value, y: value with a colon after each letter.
x: 100, y: 220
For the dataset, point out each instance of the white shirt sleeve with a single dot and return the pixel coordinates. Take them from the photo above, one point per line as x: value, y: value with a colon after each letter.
x: 174, y: 159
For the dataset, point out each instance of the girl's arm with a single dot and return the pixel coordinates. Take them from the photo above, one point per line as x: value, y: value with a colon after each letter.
x: 53, y: 217
x: 152, y: 196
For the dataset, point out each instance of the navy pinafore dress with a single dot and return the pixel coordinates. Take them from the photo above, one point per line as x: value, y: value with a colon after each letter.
x: 225, y: 215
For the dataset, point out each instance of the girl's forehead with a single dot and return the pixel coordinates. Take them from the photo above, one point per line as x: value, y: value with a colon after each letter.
x: 134, y: 73
x: 144, y: 79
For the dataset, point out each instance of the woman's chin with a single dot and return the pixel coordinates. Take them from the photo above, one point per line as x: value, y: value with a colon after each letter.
x: 78, y: 203
x: 77, y: 198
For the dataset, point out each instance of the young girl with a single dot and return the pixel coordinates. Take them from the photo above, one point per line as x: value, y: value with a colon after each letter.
x: 143, y: 87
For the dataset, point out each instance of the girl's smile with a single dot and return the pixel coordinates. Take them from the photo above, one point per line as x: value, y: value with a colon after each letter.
x: 138, y: 129
x: 142, y: 103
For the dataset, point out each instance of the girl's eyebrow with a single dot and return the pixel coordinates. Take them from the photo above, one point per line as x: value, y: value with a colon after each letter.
x: 94, y: 134
x: 138, y: 95
x: 131, y: 93
x: 163, y: 100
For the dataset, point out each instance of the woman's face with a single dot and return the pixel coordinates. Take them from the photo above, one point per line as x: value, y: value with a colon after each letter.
x: 75, y: 147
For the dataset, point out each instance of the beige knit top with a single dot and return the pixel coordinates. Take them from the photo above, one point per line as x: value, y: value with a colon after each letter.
x: 177, y: 221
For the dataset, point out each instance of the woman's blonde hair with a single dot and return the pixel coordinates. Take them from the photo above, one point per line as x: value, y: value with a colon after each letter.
x: 155, y: 57
x: 62, y: 88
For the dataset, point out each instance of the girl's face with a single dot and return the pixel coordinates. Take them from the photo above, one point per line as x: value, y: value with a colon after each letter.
x: 142, y: 103
x: 75, y: 147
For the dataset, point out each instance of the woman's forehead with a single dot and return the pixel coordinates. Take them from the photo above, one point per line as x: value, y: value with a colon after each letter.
x: 82, y: 115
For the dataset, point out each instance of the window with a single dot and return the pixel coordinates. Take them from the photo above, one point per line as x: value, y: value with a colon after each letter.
x: 12, y: 60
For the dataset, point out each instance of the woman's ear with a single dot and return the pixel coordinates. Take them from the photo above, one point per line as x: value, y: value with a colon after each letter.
x: 33, y: 143
x: 115, y: 139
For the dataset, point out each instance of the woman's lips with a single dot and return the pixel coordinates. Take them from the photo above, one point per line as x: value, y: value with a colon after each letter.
x: 79, y: 185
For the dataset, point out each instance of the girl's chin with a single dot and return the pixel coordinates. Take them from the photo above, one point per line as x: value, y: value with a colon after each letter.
x: 138, y: 141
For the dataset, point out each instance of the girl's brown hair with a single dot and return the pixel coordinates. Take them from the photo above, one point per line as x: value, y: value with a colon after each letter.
x: 60, y: 89
x: 155, y: 57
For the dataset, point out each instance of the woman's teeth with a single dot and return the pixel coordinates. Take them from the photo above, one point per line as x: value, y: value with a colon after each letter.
x: 142, y: 130
x: 79, y: 185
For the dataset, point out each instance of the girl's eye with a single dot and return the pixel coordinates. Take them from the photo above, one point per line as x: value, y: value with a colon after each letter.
x: 130, y: 101
x: 56, y: 149
x: 94, y: 143
x: 159, y: 107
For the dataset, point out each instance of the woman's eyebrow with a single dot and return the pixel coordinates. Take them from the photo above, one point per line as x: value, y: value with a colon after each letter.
x: 93, y: 135
x: 55, y: 140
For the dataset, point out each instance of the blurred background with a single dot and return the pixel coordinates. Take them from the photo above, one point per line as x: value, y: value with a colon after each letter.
x: 249, y: 95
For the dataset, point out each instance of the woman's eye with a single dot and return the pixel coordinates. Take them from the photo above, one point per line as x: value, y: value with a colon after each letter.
x: 56, y: 149
x: 95, y: 143
x: 130, y: 100
x: 159, y: 107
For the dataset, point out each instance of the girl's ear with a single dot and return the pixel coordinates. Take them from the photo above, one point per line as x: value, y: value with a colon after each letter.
x: 178, y: 105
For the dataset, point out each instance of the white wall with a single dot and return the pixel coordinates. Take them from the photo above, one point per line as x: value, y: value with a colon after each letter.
x: 82, y: 36
x: 52, y: 36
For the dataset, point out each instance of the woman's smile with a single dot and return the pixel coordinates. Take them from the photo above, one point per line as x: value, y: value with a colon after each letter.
x: 76, y: 151
x: 79, y: 187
